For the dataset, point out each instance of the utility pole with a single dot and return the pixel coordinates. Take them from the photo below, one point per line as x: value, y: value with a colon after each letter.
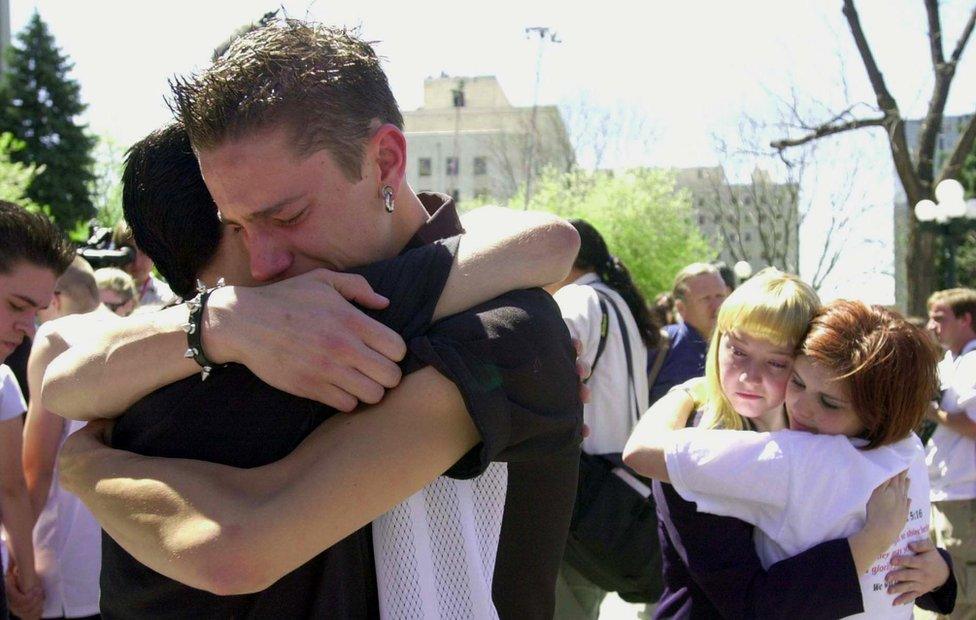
x: 545, y: 34
x: 457, y: 96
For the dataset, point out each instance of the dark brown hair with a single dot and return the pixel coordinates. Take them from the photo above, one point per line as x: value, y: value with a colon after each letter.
x: 324, y: 85
x: 31, y: 237
x: 889, y: 365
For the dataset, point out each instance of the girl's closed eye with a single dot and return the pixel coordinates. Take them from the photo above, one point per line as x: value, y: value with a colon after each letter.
x: 829, y: 405
x: 795, y: 380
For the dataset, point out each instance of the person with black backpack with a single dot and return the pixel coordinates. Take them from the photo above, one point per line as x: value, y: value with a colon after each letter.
x: 612, y: 545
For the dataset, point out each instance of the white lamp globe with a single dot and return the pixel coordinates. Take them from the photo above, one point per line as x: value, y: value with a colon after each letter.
x: 949, y: 191
x: 925, y: 210
x: 742, y: 270
x: 956, y: 208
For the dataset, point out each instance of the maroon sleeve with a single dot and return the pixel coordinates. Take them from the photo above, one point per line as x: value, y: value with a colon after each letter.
x: 711, y: 567
x: 943, y: 600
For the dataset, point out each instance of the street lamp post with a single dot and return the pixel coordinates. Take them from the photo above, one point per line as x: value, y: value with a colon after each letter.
x: 952, y: 216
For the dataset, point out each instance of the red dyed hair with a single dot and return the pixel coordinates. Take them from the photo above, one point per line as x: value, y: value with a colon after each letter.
x: 889, y: 365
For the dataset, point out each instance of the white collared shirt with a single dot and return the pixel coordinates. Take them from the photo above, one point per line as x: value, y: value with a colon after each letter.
x: 951, y: 457
x: 610, y: 412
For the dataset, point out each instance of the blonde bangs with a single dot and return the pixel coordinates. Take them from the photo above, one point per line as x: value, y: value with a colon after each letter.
x: 773, y: 306
x: 781, y: 322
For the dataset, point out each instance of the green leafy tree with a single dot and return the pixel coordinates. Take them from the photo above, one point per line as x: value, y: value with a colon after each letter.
x: 966, y: 251
x: 39, y: 104
x: 106, y: 186
x: 644, y: 221
x: 16, y: 177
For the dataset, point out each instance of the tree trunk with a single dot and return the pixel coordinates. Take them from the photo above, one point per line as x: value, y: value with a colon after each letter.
x: 920, y: 273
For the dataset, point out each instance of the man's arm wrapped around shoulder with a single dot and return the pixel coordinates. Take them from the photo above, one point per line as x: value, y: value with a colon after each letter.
x: 514, y: 363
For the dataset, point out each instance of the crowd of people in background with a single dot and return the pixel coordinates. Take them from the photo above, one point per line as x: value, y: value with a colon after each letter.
x: 725, y: 449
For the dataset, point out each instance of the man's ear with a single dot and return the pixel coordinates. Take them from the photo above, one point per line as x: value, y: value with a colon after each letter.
x: 679, y: 307
x: 967, y: 318
x: 389, y: 150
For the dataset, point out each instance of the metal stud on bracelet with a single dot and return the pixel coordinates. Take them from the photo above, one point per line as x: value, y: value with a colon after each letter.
x: 194, y: 328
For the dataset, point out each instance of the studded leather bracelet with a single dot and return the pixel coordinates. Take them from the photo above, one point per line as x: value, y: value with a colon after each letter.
x: 194, y: 328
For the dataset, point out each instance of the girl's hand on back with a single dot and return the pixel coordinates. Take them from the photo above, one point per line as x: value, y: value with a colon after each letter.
x: 917, y: 574
x: 887, y: 513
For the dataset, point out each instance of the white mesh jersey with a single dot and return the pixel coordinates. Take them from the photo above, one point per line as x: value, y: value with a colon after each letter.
x: 435, y: 552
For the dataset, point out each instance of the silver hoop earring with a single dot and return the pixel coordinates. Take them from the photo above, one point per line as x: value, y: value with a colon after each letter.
x: 388, y: 198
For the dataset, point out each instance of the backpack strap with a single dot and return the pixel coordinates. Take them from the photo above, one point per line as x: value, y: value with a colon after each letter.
x: 625, y: 336
x: 604, y: 329
x: 664, y: 345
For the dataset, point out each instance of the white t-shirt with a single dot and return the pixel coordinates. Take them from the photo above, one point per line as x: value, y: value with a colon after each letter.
x: 951, y: 457
x: 67, y: 549
x: 799, y: 490
x: 610, y: 414
x: 12, y: 403
x: 67, y: 538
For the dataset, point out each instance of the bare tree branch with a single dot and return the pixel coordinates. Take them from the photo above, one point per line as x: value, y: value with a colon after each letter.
x: 963, y: 147
x: 827, y: 130
x: 893, y: 121
x: 964, y: 38
x: 935, y: 33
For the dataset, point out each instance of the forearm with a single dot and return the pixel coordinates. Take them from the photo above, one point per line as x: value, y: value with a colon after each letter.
x: 959, y: 422
x: 168, y: 513
x: 232, y: 531
x: 865, y: 549
x: 505, y: 250
x: 19, y: 522
x: 38, y: 487
x: 134, y: 357
x: 644, y: 452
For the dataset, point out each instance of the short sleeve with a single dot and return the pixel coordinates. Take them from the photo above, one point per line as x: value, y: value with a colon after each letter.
x: 515, y: 366
x: 413, y: 282
x: 580, y: 307
x: 12, y: 403
x: 737, y: 474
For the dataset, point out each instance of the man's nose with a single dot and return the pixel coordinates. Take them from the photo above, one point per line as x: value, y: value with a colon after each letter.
x: 269, y: 258
x: 25, y: 324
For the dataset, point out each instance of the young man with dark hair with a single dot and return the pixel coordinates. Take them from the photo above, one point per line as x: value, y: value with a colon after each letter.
x: 510, y: 361
x: 33, y: 253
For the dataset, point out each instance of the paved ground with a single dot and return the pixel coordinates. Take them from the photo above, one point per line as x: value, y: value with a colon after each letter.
x: 615, y: 609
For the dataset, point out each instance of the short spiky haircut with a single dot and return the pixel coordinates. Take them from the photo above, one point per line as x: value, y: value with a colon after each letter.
x: 165, y: 201
x: 32, y: 238
x: 324, y: 85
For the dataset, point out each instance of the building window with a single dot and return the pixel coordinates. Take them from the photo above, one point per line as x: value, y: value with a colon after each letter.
x: 701, y: 220
x: 424, y: 166
x: 748, y: 236
x: 480, y: 166
x: 456, y: 195
x: 747, y: 200
x: 718, y: 219
x: 452, y: 166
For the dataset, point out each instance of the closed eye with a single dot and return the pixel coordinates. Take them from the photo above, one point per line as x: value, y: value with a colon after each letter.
x: 829, y: 405
x: 293, y: 219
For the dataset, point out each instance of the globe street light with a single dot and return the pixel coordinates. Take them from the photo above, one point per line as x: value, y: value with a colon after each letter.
x: 952, y: 216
